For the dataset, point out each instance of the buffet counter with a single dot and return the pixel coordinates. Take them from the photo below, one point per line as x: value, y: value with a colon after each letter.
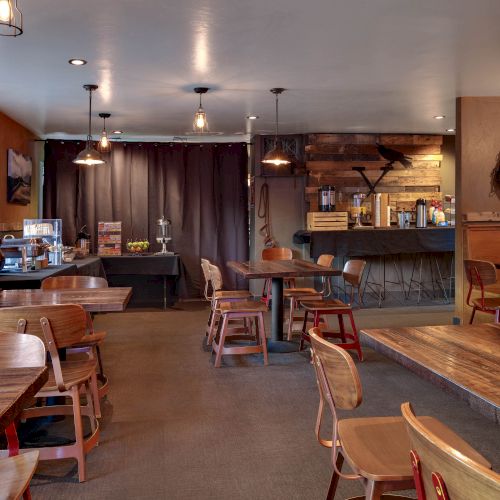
x: 14, y: 280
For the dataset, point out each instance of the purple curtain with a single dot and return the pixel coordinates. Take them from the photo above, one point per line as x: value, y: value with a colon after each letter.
x: 201, y: 188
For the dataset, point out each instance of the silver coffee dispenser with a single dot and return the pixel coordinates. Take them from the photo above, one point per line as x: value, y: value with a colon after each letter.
x: 421, y: 213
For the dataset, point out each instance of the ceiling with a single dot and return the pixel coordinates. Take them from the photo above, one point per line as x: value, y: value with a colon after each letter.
x: 349, y: 65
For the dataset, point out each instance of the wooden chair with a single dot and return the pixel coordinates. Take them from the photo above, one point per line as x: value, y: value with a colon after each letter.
x: 297, y: 294
x: 16, y: 471
x: 480, y: 274
x: 59, y: 327
x: 353, y: 274
x: 275, y: 253
x: 319, y: 308
x: 376, y: 448
x: 441, y: 470
x: 219, y: 295
x: 205, y: 267
x: 93, y: 339
x: 237, y: 311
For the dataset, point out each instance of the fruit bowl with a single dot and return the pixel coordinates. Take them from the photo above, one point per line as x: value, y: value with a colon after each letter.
x: 138, y: 247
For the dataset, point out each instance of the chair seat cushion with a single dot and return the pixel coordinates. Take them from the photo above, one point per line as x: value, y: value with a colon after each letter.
x: 299, y: 292
x: 324, y: 305
x: 73, y: 372
x: 378, y: 447
x: 242, y: 306
x: 489, y: 303
x: 232, y: 294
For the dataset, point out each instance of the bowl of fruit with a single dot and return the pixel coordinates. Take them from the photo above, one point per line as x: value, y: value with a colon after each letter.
x: 138, y: 247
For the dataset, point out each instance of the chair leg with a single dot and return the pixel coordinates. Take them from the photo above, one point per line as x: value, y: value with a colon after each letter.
x: 335, y: 477
x: 290, y: 322
x: 304, y: 326
x: 262, y: 336
x: 373, y: 490
x: 212, y: 330
x: 77, y: 416
x: 341, y: 327
x: 209, y: 322
x: 472, y: 315
x: 355, y: 333
x: 222, y: 338
x: 92, y: 415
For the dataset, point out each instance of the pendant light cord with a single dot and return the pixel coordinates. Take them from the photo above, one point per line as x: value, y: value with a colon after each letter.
x: 89, y: 136
x: 277, y: 121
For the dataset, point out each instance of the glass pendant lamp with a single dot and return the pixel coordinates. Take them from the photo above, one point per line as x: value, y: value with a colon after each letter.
x: 104, y: 145
x: 11, y: 18
x: 200, y: 123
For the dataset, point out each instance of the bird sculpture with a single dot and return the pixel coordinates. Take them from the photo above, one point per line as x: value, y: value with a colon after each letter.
x: 393, y: 156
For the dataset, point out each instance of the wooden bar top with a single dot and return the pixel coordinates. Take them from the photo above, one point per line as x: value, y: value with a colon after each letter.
x: 281, y: 269
x: 113, y: 299
x: 17, y: 388
x: 463, y: 359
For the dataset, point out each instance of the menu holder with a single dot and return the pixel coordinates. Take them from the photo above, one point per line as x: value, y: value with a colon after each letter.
x: 109, y: 238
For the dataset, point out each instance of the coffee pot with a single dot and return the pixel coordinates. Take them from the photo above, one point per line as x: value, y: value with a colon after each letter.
x: 421, y: 213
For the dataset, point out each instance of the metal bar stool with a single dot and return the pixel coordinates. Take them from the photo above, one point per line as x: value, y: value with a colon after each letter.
x: 436, y: 277
x: 339, y: 308
x: 245, y: 310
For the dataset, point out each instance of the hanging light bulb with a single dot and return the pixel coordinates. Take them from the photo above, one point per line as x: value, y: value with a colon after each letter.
x: 277, y: 156
x: 104, y: 145
x: 89, y: 156
x: 200, y: 124
x: 11, y: 18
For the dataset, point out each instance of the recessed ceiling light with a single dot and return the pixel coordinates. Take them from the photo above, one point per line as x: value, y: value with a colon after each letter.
x: 252, y: 117
x: 117, y: 131
x: 77, y: 62
x: 450, y: 130
x: 439, y: 117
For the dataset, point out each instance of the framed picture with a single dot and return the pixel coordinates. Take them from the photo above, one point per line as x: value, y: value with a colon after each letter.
x: 19, y: 170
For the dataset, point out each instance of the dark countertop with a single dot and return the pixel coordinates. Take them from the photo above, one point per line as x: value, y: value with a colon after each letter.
x: 33, y: 279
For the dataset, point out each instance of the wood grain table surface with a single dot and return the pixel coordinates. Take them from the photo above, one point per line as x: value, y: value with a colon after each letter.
x: 114, y: 299
x: 295, y: 268
x: 461, y: 359
x: 17, y: 388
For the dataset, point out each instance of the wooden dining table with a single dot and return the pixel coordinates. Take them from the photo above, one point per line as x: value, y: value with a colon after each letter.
x: 460, y: 359
x: 113, y: 299
x: 278, y: 270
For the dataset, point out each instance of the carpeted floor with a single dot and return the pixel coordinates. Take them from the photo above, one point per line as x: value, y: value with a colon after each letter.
x: 176, y: 428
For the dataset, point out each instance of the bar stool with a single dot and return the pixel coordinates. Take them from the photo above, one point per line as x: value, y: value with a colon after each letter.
x: 236, y: 311
x: 338, y: 308
x: 297, y: 294
x: 436, y: 277
x: 218, y: 296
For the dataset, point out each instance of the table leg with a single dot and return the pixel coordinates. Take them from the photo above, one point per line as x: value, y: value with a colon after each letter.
x: 277, y: 309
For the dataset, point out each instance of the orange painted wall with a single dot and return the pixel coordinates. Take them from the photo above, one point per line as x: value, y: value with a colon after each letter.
x: 15, y: 136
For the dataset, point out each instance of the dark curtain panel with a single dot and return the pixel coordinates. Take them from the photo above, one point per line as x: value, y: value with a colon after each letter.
x: 201, y: 188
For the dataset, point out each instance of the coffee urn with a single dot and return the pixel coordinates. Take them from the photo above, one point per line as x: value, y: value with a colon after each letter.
x: 326, y: 198
x: 421, y: 213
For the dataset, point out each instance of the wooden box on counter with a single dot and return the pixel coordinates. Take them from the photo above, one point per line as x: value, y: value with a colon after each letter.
x: 327, y: 221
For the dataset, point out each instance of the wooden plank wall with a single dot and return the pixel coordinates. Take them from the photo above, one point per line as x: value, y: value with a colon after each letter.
x: 330, y: 158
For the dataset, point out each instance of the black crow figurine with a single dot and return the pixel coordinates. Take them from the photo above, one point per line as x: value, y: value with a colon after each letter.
x: 392, y: 156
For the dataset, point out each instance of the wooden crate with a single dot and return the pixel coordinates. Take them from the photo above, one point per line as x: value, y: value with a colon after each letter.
x: 327, y: 221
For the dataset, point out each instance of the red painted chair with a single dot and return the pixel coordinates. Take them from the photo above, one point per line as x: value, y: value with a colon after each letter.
x: 441, y: 470
x: 480, y: 274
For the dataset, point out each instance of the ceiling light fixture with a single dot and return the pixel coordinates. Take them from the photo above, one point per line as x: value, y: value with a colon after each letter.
x: 11, y: 18
x: 277, y: 156
x: 89, y: 156
x: 77, y: 62
x: 104, y: 145
x: 439, y: 117
x: 252, y: 117
x: 200, y: 123
x: 117, y: 131
x: 450, y: 130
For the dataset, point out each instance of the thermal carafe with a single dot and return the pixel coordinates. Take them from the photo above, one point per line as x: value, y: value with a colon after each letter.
x: 421, y: 213
x: 324, y: 198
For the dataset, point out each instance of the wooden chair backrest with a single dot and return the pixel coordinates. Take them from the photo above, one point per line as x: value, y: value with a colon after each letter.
x: 480, y: 272
x: 277, y: 253
x: 216, y: 277
x: 464, y: 478
x: 68, y: 322
x: 325, y: 260
x: 337, y: 374
x: 483, y: 241
x: 353, y: 271
x: 205, y: 267
x: 21, y: 351
x: 64, y: 282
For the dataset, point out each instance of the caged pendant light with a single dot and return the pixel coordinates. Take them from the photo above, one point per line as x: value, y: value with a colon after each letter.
x: 89, y: 156
x: 200, y: 123
x: 104, y: 145
x: 11, y: 18
x: 277, y: 156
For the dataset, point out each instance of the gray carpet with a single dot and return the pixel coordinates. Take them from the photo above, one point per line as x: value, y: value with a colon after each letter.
x: 176, y: 428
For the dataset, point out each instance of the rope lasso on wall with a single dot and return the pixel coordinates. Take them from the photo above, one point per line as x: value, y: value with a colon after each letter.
x: 263, y: 213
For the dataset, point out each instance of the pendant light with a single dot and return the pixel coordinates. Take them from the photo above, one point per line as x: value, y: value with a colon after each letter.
x: 89, y: 156
x: 277, y: 156
x: 200, y: 124
x: 11, y: 18
x: 104, y: 145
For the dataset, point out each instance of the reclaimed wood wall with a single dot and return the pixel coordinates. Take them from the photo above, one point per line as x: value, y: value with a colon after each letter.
x: 330, y: 158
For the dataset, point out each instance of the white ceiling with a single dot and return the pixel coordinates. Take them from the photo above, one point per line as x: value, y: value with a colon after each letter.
x: 349, y: 65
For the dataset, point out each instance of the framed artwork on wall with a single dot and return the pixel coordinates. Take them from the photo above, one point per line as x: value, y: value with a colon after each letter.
x: 19, y: 171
